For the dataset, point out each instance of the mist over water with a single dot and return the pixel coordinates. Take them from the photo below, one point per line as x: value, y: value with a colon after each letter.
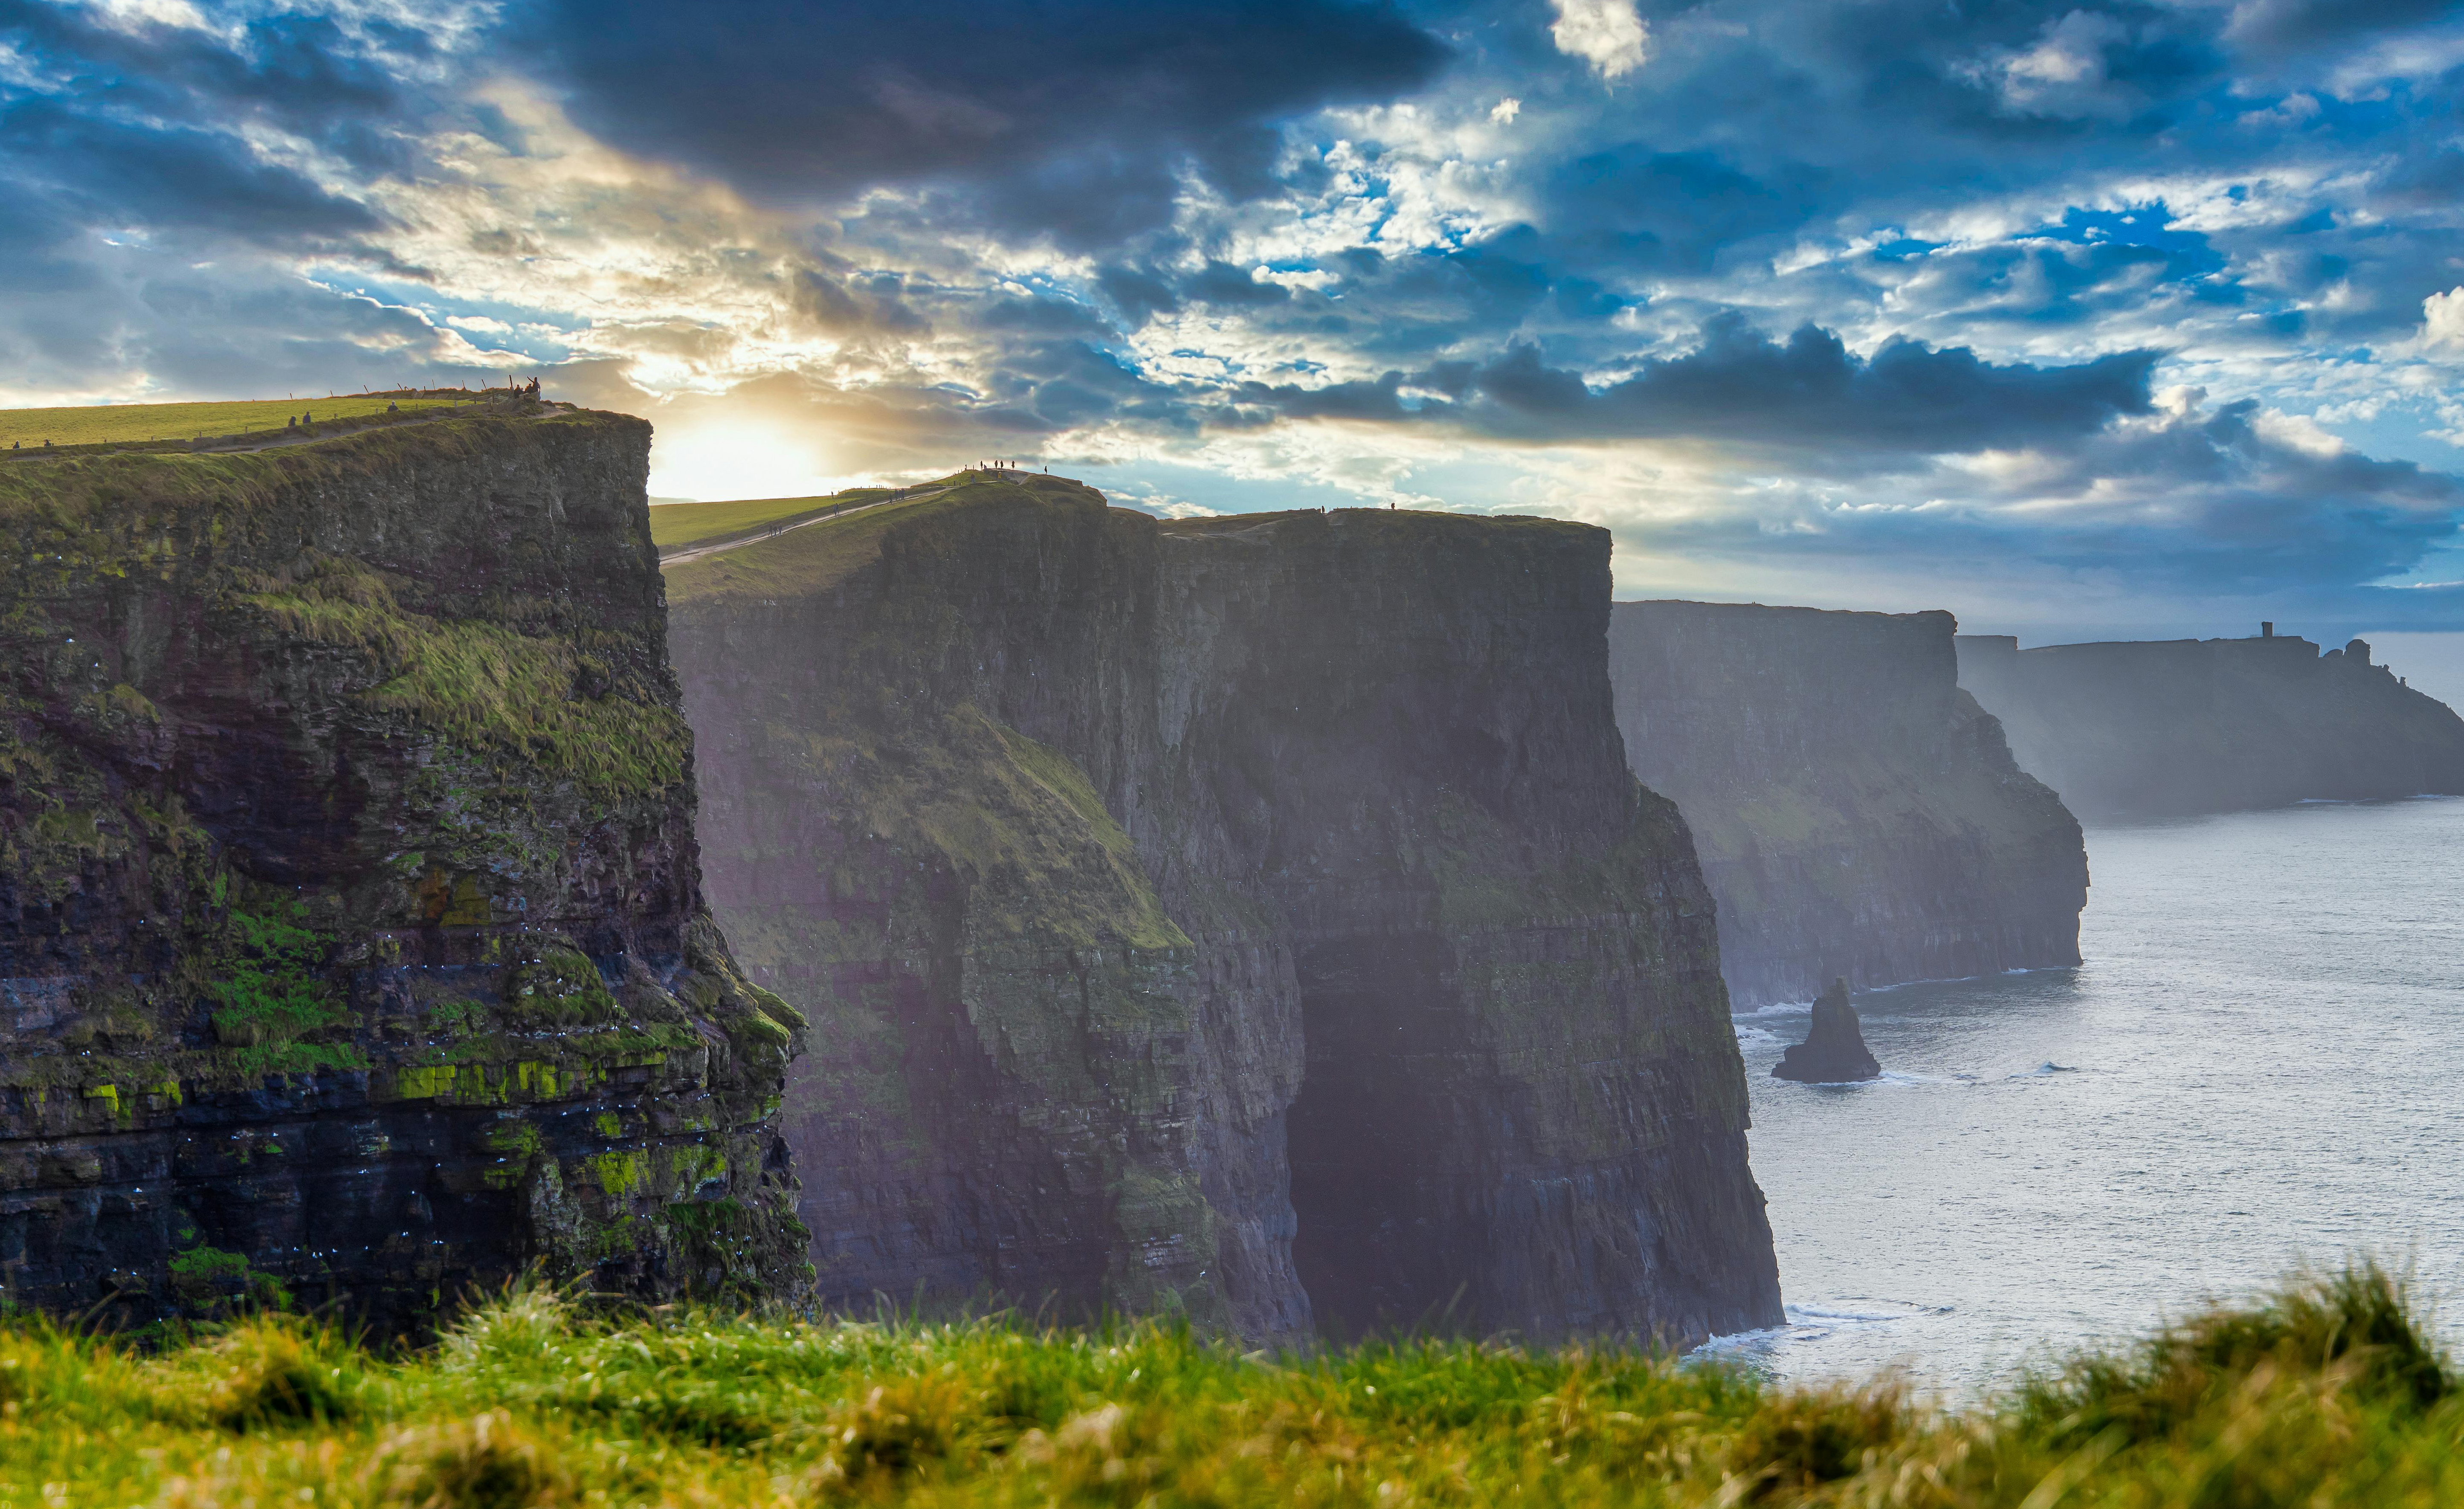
x: 2258, y: 1064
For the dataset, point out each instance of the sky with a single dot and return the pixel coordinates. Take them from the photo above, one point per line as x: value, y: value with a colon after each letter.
x: 2080, y: 319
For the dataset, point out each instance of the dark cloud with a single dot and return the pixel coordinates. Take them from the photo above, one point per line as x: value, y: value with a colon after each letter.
x: 2229, y: 506
x: 297, y: 74
x: 140, y: 128
x: 2309, y: 23
x: 1069, y: 114
x: 118, y: 176
x: 1809, y: 394
x: 1655, y: 211
x: 2181, y: 508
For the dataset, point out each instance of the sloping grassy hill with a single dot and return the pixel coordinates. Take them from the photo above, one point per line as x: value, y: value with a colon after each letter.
x: 2326, y: 1395
x: 127, y: 424
x: 674, y: 524
x: 820, y: 554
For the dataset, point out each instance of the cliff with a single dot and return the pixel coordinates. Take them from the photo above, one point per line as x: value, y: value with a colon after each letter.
x: 1247, y: 917
x: 1856, y: 812
x: 350, y: 936
x: 2169, y: 728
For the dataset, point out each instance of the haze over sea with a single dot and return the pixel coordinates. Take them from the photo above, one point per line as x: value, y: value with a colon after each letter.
x: 2256, y: 1065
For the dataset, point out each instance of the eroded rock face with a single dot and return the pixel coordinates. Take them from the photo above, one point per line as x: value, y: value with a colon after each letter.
x: 350, y: 935
x: 1834, y: 1051
x: 2171, y: 729
x: 1252, y: 917
x: 1856, y: 812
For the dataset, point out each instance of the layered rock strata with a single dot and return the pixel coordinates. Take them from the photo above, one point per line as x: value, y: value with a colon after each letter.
x: 1857, y: 813
x: 1834, y: 1051
x: 2172, y: 728
x: 350, y: 937
x: 1247, y: 917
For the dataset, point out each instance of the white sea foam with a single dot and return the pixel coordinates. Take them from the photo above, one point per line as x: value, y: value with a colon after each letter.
x: 2043, y: 1070
x: 1865, y: 1312
x: 1758, y: 1037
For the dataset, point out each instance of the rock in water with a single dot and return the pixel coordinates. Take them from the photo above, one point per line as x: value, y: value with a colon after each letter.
x: 1248, y: 917
x: 351, y: 944
x: 1834, y: 1051
x: 1854, y: 811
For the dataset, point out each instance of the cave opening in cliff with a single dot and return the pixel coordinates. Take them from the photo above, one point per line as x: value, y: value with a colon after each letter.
x: 1378, y: 1142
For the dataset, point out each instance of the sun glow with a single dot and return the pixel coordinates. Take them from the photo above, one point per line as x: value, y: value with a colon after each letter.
x: 737, y: 458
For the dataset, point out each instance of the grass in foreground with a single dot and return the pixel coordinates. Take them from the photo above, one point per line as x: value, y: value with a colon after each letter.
x: 2327, y: 1395
x: 129, y: 424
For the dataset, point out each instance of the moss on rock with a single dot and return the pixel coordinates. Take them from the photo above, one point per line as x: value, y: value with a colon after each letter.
x: 348, y: 905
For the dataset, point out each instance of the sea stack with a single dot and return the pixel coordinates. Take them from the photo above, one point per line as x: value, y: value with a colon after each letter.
x: 1834, y: 1051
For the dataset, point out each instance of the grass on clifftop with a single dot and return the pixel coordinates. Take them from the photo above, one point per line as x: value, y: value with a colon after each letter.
x: 2328, y: 1395
x: 129, y: 424
x: 674, y: 524
x: 814, y: 558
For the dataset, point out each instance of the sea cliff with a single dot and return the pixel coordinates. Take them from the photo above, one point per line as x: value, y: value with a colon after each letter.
x: 1857, y: 814
x: 350, y: 937
x: 2170, y: 728
x: 1252, y: 917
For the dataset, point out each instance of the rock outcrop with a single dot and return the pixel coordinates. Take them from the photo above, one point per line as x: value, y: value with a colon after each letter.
x: 1834, y: 1051
x: 1857, y: 814
x: 2172, y: 728
x: 350, y: 937
x: 1248, y: 917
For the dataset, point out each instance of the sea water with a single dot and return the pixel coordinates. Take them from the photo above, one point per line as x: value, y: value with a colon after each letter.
x: 2260, y: 1065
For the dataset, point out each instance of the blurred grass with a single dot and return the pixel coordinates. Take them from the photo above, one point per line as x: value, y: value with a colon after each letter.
x: 130, y: 423
x: 2328, y: 1393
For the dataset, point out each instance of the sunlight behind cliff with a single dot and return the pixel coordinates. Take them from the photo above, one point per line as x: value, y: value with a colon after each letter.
x: 723, y: 456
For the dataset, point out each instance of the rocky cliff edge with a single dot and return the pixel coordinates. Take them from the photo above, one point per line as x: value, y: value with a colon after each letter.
x: 350, y: 937
x: 1857, y: 813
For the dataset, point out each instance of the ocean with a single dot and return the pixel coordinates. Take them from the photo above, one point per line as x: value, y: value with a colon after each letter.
x: 2260, y: 1065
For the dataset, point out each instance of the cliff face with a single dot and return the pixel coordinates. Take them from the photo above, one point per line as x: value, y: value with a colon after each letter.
x: 350, y: 937
x: 1250, y: 916
x: 1857, y: 813
x: 2169, y: 728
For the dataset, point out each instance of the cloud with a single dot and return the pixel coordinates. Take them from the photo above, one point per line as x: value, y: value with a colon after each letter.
x: 2442, y: 321
x: 2173, y: 521
x: 1074, y: 116
x: 1808, y: 395
x: 2065, y: 71
x: 1876, y: 299
x: 2310, y: 23
x: 1606, y: 34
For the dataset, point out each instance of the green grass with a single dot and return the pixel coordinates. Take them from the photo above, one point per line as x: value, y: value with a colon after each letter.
x: 2328, y: 1395
x: 129, y: 424
x: 674, y: 524
x: 812, y: 559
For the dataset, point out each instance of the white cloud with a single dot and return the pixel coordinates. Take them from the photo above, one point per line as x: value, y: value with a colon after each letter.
x: 2442, y: 320
x: 1507, y: 110
x: 1606, y: 34
x: 2063, y: 76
